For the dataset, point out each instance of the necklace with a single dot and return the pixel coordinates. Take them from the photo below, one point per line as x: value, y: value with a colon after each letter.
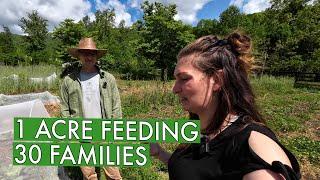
x: 204, y: 139
x: 231, y: 119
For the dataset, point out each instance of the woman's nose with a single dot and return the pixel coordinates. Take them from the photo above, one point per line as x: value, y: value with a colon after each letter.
x: 176, y: 88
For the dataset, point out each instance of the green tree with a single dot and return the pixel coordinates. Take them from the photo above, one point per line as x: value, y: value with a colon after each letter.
x: 7, y: 49
x: 307, y: 31
x: 231, y: 19
x: 291, y: 44
x: 104, y: 31
x: 87, y: 23
x: 104, y: 24
x: 207, y: 27
x: 35, y: 27
x: 163, y: 36
x: 255, y: 26
x: 68, y: 33
x: 7, y: 40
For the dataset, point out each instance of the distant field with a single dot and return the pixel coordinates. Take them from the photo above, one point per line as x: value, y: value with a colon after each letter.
x: 294, y: 114
x: 10, y: 85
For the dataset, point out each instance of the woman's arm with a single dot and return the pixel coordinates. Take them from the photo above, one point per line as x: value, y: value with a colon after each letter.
x: 158, y: 152
x: 269, y: 151
x: 263, y: 174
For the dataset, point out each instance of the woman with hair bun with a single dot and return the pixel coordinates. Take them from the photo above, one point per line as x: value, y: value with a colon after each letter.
x: 212, y: 84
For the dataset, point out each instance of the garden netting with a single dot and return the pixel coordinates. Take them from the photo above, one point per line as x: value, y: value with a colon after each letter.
x: 34, y: 108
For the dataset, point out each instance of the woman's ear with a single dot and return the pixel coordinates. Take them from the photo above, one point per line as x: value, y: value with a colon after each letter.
x: 217, y: 80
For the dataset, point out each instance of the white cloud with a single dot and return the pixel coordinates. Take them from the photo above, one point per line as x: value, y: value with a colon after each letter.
x: 135, y: 3
x: 238, y: 3
x: 120, y: 10
x: 254, y: 6
x: 311, y: 2
x: 187, y: 9
x: 91, y: 16
x: 54, y: 11
x: 251, y: 6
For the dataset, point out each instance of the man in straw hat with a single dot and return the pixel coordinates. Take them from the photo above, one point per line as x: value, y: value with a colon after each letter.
x: 87, y: 91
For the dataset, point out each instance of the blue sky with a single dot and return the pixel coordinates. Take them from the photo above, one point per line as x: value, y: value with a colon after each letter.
x: 189, y: 11
x: 211, y: 10
x: 55, y: 11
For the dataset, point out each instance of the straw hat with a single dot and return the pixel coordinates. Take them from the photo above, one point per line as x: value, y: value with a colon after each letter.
x: 86, y: 44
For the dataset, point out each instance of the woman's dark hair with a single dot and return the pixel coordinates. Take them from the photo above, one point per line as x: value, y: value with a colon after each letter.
x: 233, y: 57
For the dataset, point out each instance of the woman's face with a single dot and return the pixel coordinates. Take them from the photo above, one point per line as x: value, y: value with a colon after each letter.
x: 194, y: 88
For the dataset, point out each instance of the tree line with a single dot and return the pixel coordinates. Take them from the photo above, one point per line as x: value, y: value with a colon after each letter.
x: 286, y: 37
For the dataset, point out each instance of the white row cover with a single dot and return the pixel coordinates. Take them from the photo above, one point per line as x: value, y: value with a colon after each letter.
x: 45, y: 98
x: 49, y: 79
x: 34, y: 108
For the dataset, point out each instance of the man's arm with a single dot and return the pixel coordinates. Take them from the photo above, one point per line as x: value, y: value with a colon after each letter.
x: 64, y: 100
x: 116, y: 102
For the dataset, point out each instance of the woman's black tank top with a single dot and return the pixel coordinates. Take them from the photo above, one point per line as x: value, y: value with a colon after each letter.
x: 228, y: 156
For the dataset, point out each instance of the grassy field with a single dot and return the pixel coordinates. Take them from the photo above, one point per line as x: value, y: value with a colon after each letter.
x: 293, y: 113
x: 23, y: 84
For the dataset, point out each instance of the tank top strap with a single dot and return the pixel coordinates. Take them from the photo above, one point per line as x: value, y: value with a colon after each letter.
x: 261, y: 128
x: 285, y: 170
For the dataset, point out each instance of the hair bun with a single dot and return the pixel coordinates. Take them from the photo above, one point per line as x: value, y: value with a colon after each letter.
x: 240, y: 43
x: 241, y: 46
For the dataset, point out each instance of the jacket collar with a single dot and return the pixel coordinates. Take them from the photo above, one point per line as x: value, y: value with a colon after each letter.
x: 78, y: 67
